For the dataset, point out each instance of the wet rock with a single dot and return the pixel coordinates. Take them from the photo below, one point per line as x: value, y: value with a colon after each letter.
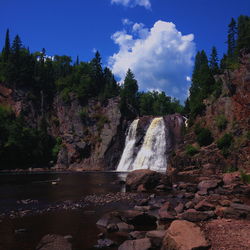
x: 189, y: 205
x: 109, y: 218
x: 104, y: 243
x: 140, y: 244
x: 156, y: 237
x: 142, y: 208
x: 204, y: 206
x: 189, y: 187
x: 195, y: 216
x: 207, y: 185
x: 179, y: 209
x: 124, y: 227
x: 143, y: 202
x: 137, y: 218
x: 137, y: 235
x: 145, y: 178
x: 184, y: 235
x: 112, y: 228
x: 54, y: 242
x: 167, y: 212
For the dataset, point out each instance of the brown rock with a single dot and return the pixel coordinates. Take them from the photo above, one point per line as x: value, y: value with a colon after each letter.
x: 229, y: 178
x: 156, y: 237
x: 167, y: 212
x: 148, y: 178
x: 179, y: 209
x: 137, y: 235
x: 207, y: 185
x: 195, y: 216
x: 204, y: 206
x: 140, y: 244
x: 124, y: 227
x: 184, y: 235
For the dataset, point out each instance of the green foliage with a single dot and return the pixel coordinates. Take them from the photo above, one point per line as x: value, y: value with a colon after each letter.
x: 83, y: 114
x: 191, y: 150
x: 224, y: 144
x: 101, y: 120
x: 204, y: 136
x: 129, y: 94
x: 217, y: 89
x: 225, y: 141
x: 213, y: 62
x: 230, y: 169
x: 21, y: 146
x: 158, y: 104
x: 248, y: 135
x: 245, y: 177
x: 57, y: 147
x: 221, y: 122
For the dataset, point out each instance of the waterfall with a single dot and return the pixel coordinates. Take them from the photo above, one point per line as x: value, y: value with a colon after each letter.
x: 127, y: 158
x: 152, y: 154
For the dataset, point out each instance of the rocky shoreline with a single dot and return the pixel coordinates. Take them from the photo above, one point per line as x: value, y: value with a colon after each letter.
x: 203, y: 212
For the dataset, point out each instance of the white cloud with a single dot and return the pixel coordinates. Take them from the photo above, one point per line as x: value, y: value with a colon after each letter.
x: 161, y: 57
x: 126, y: 21
x: 133, y: 3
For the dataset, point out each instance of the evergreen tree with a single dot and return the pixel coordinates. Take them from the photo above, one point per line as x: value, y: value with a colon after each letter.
x: 6, y: 49
x: 77, y: 60
x: 243, y: 41
x: 202, y: 84
x: 97, y: 73
x: 129, y: 94
x: 111, y: 88
x: 231, y: 39
x: 213, y: 62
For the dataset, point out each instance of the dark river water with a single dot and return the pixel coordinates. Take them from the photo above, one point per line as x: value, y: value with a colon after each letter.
x: 35, y: 191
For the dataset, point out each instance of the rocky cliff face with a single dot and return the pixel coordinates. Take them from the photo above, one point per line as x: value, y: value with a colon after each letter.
x: 89, y: 134
x: 233, y: 106
x: 92, y: 136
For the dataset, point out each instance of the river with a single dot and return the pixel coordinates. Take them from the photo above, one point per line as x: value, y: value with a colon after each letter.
x: 35, y: 204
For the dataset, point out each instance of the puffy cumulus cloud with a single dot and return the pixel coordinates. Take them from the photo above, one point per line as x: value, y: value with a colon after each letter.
x: 133, y: 3
x: 161, y: 57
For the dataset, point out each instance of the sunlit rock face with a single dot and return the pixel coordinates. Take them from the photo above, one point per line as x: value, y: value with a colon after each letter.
x: 149, y: 142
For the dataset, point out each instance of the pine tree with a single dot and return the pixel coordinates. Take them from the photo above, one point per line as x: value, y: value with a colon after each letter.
x: 6, y: 49
x: 202, y: 83
x: 243, y: 41
x: 213, y: 62
x: 231, y: 39
x: 129, y: 94
x: 77, y: 60
x: 97, y: 73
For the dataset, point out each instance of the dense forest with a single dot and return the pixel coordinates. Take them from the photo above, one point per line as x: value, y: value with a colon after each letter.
x: 45, y: 77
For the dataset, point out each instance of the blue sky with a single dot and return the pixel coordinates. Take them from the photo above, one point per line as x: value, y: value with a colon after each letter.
x: 141, y: 34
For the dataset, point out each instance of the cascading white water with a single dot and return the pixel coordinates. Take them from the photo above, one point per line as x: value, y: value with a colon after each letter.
x: 152, y: 154
x: 127, y: 158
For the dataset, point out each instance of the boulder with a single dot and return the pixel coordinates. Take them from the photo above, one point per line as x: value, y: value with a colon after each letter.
x: 54, y: 242
x: 144, y: 177
x: 156, y: 237
x: 204, y: 206
x: 124, y: 227
x: 137, y: 235
x: 138, y: 218
x: 195, y: 216
x: 107, y: 219
x: 207, y: 185
x: 167, y: 212
x: 104, y: 243
x: 140, y: 244
x: 229, y: 178
x: 184, y: 235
